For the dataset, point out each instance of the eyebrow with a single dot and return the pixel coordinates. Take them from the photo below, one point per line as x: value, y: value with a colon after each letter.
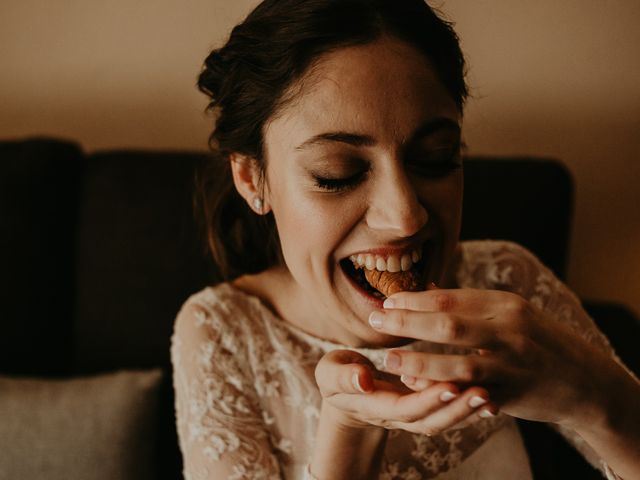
x: 355, y: 139
x: 359, y: 140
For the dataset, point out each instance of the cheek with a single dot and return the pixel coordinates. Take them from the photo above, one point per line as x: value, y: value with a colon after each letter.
x: 444, y: 203
x: 310, y: 226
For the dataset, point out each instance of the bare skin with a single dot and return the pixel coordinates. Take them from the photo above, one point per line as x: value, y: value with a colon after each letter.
x: 383, y: 94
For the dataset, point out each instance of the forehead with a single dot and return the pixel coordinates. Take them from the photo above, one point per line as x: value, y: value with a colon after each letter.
x: 385, y: 89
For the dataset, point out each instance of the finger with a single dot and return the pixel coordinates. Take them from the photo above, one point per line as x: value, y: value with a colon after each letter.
x: 386, y: 407
x: 344, y: 371
x: 389, y: 381
x: 345, y: 356
x: 474, y: 401
x: 463, y: 301
x: 416, y: 384
x: 444, y: 368
x: 438, y: 327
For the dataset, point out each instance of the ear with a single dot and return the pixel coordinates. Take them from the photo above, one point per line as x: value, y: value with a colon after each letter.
x: 246, y: 177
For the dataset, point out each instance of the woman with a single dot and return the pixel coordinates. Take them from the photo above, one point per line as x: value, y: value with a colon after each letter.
x: 356, y: 338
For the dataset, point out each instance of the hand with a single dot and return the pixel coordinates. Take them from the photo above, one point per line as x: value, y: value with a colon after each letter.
x: 359, y: 396
x: 534, y: 367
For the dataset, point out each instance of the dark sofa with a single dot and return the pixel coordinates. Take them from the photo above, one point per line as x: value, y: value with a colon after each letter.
x: 99, y: 250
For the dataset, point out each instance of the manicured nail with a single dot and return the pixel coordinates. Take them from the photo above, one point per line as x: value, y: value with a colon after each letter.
x: 355, y: 379
x: 475, y: 402
x: 392, y: 361
x: 375, y: 319
x: 486, y: 413
x: 447, y: 396
x: 388, y: 303
x: 407, y: 379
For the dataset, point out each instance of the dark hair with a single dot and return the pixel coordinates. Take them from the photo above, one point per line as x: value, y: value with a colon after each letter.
x: 248, y: 81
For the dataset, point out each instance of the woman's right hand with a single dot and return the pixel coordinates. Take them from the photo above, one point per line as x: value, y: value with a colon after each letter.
x: 357, y: 395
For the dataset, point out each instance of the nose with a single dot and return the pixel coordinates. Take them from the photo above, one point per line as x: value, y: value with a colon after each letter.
x: 394, y: 207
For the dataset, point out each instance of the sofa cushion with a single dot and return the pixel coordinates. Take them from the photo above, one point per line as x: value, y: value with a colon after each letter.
x: 92, y: 428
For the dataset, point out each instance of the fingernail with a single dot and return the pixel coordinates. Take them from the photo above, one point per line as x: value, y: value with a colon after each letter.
x: 447, y: 396
x: 486, y: 413
x: 432, y: 286
x: 407, y: 379
x: 375, y: 319
x: 475, y: 402
x: 392, y: 360
x: 355, y: 379
x: 388, y: 303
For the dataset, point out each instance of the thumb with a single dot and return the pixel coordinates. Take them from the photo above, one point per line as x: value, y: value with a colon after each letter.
x: 344, y: 371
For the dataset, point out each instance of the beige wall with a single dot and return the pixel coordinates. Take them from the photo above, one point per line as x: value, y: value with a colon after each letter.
x: 558, y: 78
x: 562, y: 78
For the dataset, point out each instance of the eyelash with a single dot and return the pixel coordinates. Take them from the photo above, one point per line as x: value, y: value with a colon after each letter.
x: 338, y: 184
x: 444, y: 166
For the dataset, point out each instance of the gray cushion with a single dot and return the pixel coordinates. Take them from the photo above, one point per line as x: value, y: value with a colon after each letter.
x: 91, y: 428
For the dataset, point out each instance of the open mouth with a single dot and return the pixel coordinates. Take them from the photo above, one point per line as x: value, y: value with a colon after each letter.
x: 358, y: 276
x: 379, y: 277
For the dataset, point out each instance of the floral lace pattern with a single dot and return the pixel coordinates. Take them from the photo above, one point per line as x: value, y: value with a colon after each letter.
x: 246, y: 400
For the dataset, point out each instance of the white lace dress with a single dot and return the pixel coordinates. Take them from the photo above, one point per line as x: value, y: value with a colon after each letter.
x: 247, y: 404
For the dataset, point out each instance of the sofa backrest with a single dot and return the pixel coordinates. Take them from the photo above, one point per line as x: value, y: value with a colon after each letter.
x: 138, y: 258
x: 39, y: 181
x: 523, y: 199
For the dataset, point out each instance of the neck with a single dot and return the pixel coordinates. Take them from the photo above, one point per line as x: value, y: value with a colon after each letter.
x: 281, y: 294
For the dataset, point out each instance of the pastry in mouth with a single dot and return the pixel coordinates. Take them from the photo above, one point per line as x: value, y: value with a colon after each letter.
x: 382, y: 276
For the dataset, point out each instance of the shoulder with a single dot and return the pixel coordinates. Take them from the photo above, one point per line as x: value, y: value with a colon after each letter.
x: 478, y: 252
x: 502, y: 265
x: 208, y: 308
x: 220, y: 317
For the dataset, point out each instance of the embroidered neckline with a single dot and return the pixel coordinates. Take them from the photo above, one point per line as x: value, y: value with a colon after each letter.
x: 317, y: 342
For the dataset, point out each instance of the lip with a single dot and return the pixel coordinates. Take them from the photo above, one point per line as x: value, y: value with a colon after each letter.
x: 387, y: 251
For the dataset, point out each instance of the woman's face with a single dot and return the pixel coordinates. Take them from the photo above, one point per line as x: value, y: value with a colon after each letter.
x: 364, y: 161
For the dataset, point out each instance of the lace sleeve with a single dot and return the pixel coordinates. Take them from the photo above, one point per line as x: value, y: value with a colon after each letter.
x: 508, y: 266
x: 220, y: 425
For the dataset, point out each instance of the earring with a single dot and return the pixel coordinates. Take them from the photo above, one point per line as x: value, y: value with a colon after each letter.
x: 258, y: 204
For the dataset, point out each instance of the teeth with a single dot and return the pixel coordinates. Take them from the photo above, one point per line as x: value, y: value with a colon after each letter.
x: 405, y: 262
x: 370, y: 262
x: 393, y: 263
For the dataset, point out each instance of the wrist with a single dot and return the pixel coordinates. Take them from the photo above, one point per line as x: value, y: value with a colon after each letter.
x: 612, y: 432
x: 346, y: 447
x: 344, y: 422
x: 608, y: 403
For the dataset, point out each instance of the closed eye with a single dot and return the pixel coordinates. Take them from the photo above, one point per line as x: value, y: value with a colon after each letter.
x: 332, y: 184
x: 437, y: 162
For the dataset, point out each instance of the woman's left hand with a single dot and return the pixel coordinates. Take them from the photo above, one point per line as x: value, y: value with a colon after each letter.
x: 533, y: 366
